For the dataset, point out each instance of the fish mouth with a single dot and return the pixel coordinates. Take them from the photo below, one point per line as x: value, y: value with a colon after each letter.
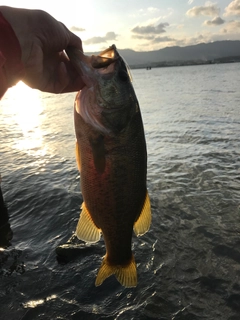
x: 102, y: 60
x: 105, y: 58
x: 90, y: 67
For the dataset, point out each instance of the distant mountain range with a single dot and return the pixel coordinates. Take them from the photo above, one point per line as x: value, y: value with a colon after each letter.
x: 201, y: 53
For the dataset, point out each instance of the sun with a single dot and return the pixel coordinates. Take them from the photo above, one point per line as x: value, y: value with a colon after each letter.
x: 23, y: 108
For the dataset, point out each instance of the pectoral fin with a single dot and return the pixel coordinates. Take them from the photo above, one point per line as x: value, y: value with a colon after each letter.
x: 126, y: 275
x: 142, y: 224
x: 86, y: 229
x: 77, y: 152
x: 98, y: 151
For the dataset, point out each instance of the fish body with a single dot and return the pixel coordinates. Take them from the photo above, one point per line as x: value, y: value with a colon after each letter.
x: 112, y: 160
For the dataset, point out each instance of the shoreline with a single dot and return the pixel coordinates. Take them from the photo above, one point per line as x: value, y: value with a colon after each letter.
x: 164, y: 64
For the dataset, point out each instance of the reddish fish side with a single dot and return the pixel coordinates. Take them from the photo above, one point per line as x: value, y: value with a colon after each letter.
x: 113, y: 168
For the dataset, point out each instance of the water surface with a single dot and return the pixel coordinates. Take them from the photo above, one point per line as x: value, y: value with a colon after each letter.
x: 188, y: 263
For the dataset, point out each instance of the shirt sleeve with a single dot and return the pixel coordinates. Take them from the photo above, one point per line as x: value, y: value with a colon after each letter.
x: 11, y: 67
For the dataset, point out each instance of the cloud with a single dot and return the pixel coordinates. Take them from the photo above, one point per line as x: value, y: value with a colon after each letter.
x: 233, y: 9
x: 163, y: 39
x: 111, y: 35
x: 77, y: 29
x: 152, y: 34
x: 94, y: 40
x: 145, y: 37
x: 204, y: 37
x: 214, y: 22
x: 151, y: 29
x: 180, y: 26
x: 231, y: 27
x: 153, y: 38
x: 207, y: 10
x: 152, y: 9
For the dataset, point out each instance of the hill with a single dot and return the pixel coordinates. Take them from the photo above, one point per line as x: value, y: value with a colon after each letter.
x: 219, y: 51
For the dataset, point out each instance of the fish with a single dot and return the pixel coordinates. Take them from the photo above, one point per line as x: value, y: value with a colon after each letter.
x: 111, y: 156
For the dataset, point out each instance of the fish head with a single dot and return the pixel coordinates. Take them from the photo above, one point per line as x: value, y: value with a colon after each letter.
x: 108, y: 101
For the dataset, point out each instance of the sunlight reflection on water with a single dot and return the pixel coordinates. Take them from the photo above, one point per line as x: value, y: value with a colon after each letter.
x: 25, y: 111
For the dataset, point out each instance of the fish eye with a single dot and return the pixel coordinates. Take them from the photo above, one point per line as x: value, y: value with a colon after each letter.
x: 123, y: 75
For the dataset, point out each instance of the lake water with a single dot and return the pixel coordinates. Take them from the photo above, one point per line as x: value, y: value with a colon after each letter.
x: 188, y: 263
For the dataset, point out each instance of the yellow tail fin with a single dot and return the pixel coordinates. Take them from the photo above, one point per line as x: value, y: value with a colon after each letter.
x: 126, y: 275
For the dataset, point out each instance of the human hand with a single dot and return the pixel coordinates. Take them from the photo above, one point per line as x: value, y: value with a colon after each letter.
x: 43, y: 40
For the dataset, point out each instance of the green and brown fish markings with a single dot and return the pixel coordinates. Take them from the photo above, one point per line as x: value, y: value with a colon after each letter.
x: 112, y: 160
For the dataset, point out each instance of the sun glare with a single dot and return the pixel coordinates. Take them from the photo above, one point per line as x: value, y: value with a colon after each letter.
x: 24, y: 109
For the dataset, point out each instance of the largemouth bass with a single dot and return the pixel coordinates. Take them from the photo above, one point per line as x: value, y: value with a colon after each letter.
x: 112, y: 160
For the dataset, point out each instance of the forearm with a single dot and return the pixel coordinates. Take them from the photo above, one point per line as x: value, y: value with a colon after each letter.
x: 11, y: 66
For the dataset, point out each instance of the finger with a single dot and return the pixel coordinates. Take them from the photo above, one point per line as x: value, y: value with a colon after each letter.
x: 63, y: 79
x: 67, y: 81
x: 75, y: 81
x: 74, y: 85
x: 75, y: 41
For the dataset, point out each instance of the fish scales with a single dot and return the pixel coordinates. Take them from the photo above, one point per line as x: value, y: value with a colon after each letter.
x: 112, y: 159
x: 110, y: 196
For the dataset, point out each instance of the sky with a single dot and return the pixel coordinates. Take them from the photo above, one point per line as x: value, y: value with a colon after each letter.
x: 143, y: 25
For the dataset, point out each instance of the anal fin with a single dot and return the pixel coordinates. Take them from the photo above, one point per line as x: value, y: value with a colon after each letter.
x: 143, y: 223
x: 86, y: 229
x: 126, y: 275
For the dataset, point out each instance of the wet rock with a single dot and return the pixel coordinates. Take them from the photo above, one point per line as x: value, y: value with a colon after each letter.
x: 73, y: 249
